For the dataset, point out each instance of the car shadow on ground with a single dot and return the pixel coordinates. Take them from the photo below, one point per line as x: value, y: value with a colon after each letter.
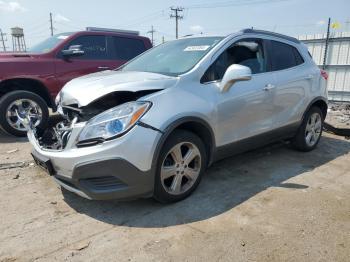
x: 225, y: 185
x: 6, y: 138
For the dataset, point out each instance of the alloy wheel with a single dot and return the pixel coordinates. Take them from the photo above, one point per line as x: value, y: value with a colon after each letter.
x: 181, y: 168
x: 313, y: 129
x: 22, y: 108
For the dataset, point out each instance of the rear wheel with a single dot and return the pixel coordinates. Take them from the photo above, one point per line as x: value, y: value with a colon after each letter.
x: 180, y: 167
x: 19, y: 104
x: 310, y: 131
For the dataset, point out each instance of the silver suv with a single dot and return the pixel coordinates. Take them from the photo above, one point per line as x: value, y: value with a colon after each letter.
x: 152, y: 127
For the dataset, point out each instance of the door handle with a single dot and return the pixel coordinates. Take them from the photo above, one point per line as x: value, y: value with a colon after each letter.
x: 104, y: 67
x: 268, y: 87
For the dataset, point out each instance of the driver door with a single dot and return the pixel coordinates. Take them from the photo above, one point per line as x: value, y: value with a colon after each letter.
x: 245, y: 110
x: 96, y: 58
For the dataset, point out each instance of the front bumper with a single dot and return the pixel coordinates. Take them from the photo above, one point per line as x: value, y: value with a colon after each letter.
x: 116, y: 169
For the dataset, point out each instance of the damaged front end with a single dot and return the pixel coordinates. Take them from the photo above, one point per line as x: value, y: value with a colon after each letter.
x: 57, y: 135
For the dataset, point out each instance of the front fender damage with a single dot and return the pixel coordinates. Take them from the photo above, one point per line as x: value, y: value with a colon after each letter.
x: 56, y: 136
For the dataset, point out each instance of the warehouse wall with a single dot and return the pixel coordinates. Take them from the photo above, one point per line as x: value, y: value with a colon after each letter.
x: 337, y: 63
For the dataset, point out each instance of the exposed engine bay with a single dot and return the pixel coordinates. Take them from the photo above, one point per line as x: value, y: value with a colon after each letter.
x: 56, y: 136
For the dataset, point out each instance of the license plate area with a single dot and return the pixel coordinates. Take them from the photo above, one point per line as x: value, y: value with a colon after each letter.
x: 44, y: 163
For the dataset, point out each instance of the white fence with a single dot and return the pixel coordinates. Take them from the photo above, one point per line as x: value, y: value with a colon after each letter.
x: 337, y: 62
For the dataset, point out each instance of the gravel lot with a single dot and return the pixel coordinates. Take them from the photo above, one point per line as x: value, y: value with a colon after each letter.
x: 272, y: 204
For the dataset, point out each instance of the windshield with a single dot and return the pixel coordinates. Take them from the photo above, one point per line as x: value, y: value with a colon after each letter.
x: 48, y: 44
x: 173, y: 58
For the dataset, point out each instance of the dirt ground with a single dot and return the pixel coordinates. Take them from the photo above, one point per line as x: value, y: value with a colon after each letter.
x: 271, y: 204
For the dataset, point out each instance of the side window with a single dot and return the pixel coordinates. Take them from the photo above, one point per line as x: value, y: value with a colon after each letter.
x: 284, y: 56
x: 127, y: 48
x: 94, y: 46
x: 247, y: 52
x: 298, y: 58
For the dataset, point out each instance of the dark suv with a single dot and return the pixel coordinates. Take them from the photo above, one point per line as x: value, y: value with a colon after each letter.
x: 30, y: 81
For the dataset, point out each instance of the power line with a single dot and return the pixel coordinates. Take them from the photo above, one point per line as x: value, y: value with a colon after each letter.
x: 231, y: 3
x: 70, y: 26
x: 149, y: 17
x: 177, y: 10
x: 34, y: 26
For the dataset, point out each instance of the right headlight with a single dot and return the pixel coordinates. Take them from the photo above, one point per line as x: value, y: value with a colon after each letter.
x: 114, y: 122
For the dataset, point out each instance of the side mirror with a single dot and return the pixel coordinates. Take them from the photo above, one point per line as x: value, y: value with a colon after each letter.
x: 233, y: 74
x: 73, y: 50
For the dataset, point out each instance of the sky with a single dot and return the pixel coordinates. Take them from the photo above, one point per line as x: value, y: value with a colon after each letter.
x: 220, y: 17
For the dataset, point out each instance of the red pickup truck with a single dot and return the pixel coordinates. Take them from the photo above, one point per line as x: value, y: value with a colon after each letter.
x: 30, y: 81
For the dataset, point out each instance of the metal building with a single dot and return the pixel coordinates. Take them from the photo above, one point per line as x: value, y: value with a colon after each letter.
x: 337, y: 63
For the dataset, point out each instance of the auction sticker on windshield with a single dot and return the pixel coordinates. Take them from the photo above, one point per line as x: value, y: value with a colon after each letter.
x: 197, y: 48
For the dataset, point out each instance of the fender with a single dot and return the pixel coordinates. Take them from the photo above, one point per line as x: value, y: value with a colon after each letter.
x: 34, y: 79
x: 316, y: 99
x: 170, y: 128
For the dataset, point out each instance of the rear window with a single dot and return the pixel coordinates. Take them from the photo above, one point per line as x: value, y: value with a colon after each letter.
x: 284, y: 56
x: 127, y: 48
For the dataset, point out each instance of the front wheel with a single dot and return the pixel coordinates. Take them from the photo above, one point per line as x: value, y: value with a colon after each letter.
x: 310, y: 131
x: 180, y: 167
x: 22, y: 103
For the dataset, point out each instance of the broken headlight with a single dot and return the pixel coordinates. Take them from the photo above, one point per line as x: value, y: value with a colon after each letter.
x: 114, y: 122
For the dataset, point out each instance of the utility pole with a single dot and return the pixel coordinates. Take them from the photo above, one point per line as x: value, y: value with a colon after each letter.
x: 2, y: 40
x: 51, y: 25
x: 152, y: 32
x: 177, y: 10
x: 326, y: 45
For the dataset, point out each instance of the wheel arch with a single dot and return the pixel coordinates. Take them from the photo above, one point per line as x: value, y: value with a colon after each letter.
x: 195, y: 125
x: 321, y: 103
x: 27, y: 84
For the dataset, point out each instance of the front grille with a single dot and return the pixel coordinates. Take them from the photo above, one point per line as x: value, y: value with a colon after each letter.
x: 106, y: 183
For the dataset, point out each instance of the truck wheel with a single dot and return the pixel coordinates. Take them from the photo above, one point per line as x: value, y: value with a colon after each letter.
x: 180, y: 167
x: 24, y: 103
x: 310, y: 131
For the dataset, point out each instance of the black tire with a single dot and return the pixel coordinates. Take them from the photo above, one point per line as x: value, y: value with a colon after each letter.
x: 8, y: 98
x: 299, y: 142
x: 176, y: 138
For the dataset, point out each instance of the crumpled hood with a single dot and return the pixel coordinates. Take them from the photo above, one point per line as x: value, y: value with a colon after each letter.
x: 83, y: 90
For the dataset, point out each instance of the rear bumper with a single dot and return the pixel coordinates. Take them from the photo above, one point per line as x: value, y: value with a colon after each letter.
x: 106, y: 179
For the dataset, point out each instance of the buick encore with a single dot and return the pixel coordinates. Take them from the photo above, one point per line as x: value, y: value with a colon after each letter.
x: 152, y: 126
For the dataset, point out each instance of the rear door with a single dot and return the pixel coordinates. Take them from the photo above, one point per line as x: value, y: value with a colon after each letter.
x: 125, y: 48
x: 97, y: 57
x: 293, y: 81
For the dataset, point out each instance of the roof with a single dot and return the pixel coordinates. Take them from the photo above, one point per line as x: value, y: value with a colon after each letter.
x: 99, y: 29
x: 268, y: 33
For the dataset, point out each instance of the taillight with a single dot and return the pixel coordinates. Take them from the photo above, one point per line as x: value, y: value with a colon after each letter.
x: 324, y: 74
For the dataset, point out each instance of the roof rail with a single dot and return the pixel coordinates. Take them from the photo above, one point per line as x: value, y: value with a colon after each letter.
x: 254, y: 31
x: 100, y: 29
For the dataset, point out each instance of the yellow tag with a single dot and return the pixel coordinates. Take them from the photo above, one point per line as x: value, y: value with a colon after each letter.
x: 335, y: 25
